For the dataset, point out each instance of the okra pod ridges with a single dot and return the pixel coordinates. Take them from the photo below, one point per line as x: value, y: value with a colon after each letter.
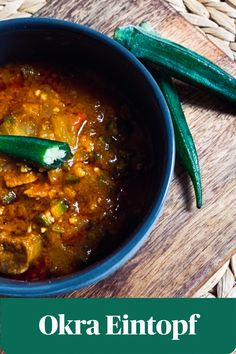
x: 178, y: 61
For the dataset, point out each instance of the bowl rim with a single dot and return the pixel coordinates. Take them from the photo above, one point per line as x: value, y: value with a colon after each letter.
x: 107, y: 266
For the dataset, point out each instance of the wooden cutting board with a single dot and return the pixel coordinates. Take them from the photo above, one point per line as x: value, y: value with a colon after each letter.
x: 187, y: 245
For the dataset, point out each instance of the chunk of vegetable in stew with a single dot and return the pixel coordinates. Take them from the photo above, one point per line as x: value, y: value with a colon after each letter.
x: 56, y: 222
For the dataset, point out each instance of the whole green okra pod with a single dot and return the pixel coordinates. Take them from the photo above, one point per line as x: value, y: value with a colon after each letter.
x: 185, y: 146
x: 177, y: 61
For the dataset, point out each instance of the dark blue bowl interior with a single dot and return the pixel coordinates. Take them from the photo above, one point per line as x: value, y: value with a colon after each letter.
x: 58, y: 41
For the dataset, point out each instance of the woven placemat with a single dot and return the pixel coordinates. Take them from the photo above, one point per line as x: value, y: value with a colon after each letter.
x: 19, y: 8
x: 216, y: 19
x: 222, y: 284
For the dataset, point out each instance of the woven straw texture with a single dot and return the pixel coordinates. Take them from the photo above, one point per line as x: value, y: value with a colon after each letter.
x: 222, y: 284
x: 19, y: 8
x: 217, y: 19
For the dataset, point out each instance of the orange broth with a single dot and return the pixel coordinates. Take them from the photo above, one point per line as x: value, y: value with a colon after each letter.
x: 56, y: 222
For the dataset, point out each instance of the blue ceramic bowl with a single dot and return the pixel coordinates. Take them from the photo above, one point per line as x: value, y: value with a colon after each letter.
x: 56, y: 40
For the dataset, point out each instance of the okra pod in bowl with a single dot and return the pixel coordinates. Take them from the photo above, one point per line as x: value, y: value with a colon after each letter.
x: 91, y: 160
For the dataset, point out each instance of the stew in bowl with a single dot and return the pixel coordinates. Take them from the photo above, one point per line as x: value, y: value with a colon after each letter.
x: 67, y: 227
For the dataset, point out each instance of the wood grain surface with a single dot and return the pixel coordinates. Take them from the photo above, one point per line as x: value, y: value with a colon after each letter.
x: 187, y: 245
